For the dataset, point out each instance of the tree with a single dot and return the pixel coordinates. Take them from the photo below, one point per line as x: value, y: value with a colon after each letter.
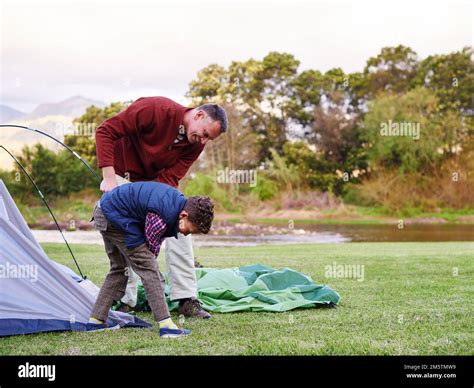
x: 338, y: 136
x: 83, y: 142
x: 311, y: 167
x: 236, y: 149
x: 417, y: 110
x: 277, y: 75
x: 212, y: 83
x: 391, y: 71
x: 451, y: 77
x: 56, y: 173
x: 306, y: 92
x: 260, y: 90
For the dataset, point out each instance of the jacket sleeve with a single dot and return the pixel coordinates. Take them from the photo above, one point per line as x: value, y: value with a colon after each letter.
x: 139, y: 116
x: 172, y: 175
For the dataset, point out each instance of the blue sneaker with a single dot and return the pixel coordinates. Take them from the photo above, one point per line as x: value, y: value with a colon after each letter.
x: 174, y: 333
x: 100, y: 327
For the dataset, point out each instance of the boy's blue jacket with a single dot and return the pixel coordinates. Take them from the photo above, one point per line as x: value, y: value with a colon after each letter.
x: 126, y: 207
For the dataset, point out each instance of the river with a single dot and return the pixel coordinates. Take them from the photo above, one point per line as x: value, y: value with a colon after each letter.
x: 303, y: 234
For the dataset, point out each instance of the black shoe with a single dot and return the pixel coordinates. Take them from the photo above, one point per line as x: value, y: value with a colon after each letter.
x: 191, y: 308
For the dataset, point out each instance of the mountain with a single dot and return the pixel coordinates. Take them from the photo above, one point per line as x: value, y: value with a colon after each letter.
x: 71, y: 107
x: 8, y: 114
x: 54, y: 119
x: 14, y: 139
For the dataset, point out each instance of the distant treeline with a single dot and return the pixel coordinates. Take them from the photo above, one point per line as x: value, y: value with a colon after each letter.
x: 397, y: 134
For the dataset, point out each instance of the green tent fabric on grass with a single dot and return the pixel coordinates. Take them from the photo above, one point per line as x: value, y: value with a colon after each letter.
x: 253, y: 288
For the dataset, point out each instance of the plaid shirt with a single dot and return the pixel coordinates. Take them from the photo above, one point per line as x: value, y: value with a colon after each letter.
x: 155, y: 226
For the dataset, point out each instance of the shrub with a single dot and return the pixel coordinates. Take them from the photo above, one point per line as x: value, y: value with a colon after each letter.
x: 265, y: 188
x: 206, y: 184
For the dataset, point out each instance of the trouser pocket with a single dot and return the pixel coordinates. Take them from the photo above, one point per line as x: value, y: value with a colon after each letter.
x: 100, y: 222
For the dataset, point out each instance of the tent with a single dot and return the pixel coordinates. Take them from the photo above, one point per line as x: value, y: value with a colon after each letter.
x: 254, y: 288
x: 36, y: 293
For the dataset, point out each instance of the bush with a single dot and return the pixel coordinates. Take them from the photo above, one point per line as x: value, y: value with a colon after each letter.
x: 265, y: 188
x: 352, y: 195
x: 56, y: 174
x: 311, y: 169
x: 432, y: 133
x: 411, y: 193
x: 206, y: 184
x: 308, y: 200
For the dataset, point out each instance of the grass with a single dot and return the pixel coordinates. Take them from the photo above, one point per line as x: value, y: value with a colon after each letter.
x: 359, y: 215
x: 409, y: 303
x: 448, y: 215
x: 76, y: 206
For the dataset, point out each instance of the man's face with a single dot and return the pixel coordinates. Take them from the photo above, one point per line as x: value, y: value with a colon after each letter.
x: 185, y: 226
x: 202, y: 128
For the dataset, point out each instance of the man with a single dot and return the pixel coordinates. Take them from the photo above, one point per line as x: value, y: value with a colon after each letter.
x: 134, y: 220
x: 158, y: 139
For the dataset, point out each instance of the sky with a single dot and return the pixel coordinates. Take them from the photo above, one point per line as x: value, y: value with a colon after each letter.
x: 120, y: 50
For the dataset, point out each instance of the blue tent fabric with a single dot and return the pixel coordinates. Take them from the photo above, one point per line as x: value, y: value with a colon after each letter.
x: 30, y: 326
x: 36, y: 293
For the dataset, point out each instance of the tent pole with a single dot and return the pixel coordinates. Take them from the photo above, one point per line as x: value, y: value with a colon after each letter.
x: 49, y: 209
x: 57, y: 141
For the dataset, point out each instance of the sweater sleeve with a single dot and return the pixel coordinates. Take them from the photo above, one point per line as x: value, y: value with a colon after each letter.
x: 139, y: 116
x: 172, y: 175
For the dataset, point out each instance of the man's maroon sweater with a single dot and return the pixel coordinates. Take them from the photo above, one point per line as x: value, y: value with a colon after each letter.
x: 145, y: 141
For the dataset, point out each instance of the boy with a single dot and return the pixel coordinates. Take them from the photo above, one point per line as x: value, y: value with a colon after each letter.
x: 134, y: 219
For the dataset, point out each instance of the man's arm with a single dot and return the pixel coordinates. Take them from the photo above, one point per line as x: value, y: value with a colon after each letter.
x: 171, y: 176
x: 138, y: 116
x: 109, y: 180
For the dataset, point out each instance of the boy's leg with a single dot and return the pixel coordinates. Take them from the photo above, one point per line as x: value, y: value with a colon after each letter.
x: 145, y: 265
x: 116, y: 280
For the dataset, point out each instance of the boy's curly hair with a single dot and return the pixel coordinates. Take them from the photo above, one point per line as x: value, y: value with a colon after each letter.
x: 200, y: 212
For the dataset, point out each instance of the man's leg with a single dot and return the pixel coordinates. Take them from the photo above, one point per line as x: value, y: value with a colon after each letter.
x: 182, y: 275
x: 180, y: 263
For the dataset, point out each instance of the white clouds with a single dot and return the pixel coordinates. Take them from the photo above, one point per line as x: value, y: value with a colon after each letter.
x: 63, y: 49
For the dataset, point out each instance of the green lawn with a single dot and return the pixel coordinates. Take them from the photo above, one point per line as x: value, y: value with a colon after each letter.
x: 410, y: 302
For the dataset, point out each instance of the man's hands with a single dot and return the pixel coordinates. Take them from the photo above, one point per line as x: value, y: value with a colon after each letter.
x: 108, y: 184
x: 109, y: 181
